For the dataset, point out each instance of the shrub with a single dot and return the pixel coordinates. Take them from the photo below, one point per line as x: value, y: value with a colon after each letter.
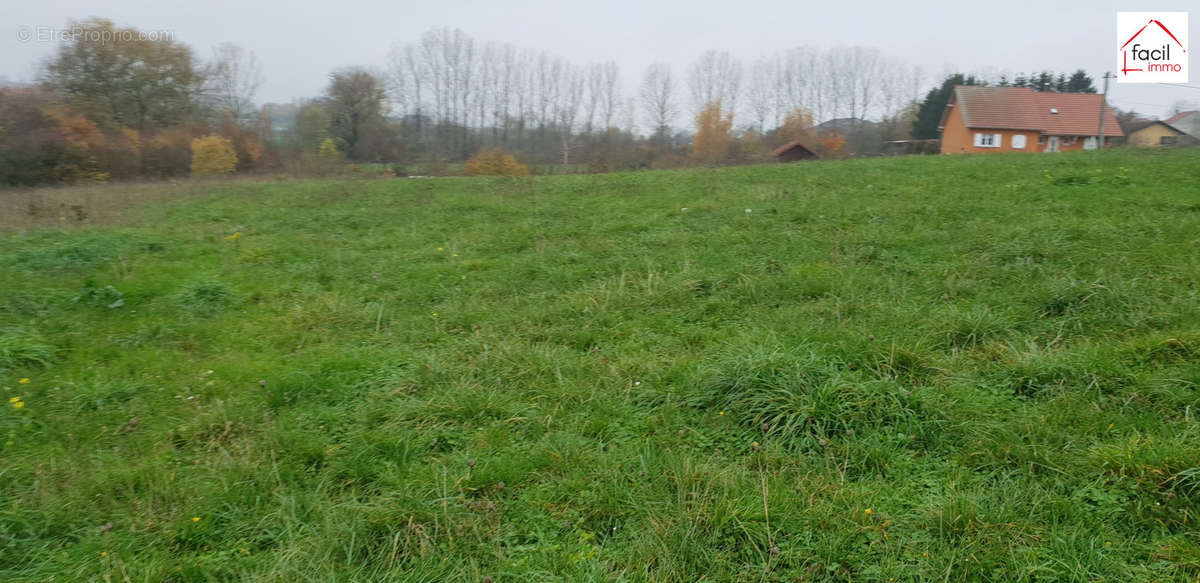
x: 168, y: 153
x: 329, y: 151
x: 213, y: 155
x: 495, y: 162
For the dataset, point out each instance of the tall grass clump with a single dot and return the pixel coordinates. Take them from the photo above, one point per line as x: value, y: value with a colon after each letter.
x: 21, y: 347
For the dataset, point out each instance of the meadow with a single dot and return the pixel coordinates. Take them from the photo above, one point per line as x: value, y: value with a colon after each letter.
x: 904, y: 369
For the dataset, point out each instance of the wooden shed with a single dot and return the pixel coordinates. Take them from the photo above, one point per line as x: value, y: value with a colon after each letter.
x: 795, y: 151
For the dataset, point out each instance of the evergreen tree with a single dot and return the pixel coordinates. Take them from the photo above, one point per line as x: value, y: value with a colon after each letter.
x: 1044, y: 81
x: 1060, y: 83
x: 1080, y: 82
x: 929, y: 116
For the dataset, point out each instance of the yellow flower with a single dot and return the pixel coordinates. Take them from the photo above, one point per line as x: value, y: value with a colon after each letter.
x: 15, y: 400
x: 754, y: 445
x: 236, y: 235
x: 24, y: 381
x: 435, y: 314
x: 441, y: 248
x: 103, y: 553
x: 867, y: 511
x: 722, y: 413
x: 18, y: 405
x: 195, y: 519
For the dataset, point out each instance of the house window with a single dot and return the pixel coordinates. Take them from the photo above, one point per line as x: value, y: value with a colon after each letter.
x: 1069, y: 140
x: 1089, y: 143
x: 1018, y: 142
x: 1041, y: 140
x: 987, y: 140
x: 1167, y: 140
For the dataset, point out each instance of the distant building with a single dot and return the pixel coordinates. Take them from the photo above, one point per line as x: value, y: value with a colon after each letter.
x: 1007, y: 119
x: 795, y: 151
x: 1187, y: 122
x: 1156, y: 134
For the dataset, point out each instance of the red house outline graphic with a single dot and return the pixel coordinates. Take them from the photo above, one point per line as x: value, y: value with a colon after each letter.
x: 1124, y: 55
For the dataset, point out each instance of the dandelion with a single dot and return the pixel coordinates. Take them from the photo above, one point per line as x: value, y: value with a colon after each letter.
x: 722, y: 413
x: 15, y: 400
x: 195, y: 519
x: 24, y: 380
x: 1108, y: 544
x: 237, y: 235
x: 867, y: 511
x: 103, y: 554
x: 18, y: 405
x: 754, y: 445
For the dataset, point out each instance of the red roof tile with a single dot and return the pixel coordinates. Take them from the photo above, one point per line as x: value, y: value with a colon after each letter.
x: 1078, y: 115
x: 1021, y: 108
x: 1000, y: 108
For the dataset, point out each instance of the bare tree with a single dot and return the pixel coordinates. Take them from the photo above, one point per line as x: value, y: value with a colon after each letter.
x: 568, y: 95
x: 761, y: 93
x: 715, y: 77
x: 658, y: 99
x: 234, y: 78
x: 610, y: 93
x: 797, y: 82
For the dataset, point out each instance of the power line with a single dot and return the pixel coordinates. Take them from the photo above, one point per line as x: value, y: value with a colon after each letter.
x: 1182, y: 85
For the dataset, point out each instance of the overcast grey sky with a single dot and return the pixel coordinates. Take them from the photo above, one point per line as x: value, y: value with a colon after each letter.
x: 299, y: 46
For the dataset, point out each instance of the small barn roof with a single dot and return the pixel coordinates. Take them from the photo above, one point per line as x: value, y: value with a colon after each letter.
x: 795, y: 144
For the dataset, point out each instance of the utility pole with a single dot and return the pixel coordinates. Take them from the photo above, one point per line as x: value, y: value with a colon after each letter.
x: 1103, y: 102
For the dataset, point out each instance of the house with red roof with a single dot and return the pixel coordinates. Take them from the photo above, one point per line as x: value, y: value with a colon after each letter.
x: 1019, y: 119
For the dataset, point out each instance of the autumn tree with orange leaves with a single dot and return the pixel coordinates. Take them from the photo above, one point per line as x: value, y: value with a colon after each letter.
x: 831, y: 143
x: 713, y: 134
x: 797, y: 125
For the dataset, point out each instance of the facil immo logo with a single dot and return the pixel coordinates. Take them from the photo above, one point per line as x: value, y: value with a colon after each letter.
x: 1152, y: 47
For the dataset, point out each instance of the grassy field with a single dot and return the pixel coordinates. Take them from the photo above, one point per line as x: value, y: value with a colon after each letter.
x: 937, y: 368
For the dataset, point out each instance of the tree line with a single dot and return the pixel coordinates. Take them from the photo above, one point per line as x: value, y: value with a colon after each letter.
x: 139, y: 107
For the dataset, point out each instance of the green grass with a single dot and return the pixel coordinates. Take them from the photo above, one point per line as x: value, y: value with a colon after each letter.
x: 936, y: 368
